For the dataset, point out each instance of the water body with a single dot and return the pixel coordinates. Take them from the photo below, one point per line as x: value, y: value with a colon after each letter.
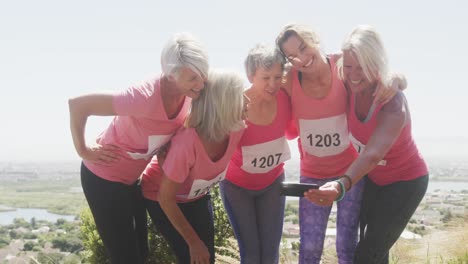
x: 7, y: 217
x: 447, y: 186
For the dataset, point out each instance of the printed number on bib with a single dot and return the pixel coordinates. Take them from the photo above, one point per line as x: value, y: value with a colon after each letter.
x: 360, y: 148
x: 201, y: 187
x: 324, y: 137
x: 262, y: 158
x: 154, y: 143
x: 326, y: 140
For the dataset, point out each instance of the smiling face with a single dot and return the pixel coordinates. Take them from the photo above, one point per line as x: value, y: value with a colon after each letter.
x: 300, y: 54
x: 267, y: 81
x: 189, y: 83
x: 353, y: 74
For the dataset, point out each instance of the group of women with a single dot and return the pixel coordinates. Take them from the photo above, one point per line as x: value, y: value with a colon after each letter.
x: 176, y: 135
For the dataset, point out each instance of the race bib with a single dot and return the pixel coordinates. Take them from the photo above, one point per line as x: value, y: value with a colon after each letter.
x: 154, y: 143
x: 264, y: 157
x: 201, y: 187
x: 360, y: 148
x: 324, y: 137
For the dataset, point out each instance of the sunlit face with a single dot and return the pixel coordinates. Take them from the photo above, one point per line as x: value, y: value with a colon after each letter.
x: 190, y: 83
x: 353, y: 74
x: 301, y: 55
x: 267, y: 82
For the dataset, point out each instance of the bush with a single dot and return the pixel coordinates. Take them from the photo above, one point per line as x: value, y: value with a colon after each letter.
x: 94, y: 249
x: 159, y: 250
x: 49, y: 258
x: 28, y: 246
x: 4, y: 241
x: 67, y: 243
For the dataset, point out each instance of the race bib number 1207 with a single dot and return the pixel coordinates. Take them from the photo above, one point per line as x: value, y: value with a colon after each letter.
x: 262, y: 158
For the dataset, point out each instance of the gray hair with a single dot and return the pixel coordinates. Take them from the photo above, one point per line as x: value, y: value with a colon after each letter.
x: 262, y: 56
x: 218, y: 110
x: 183, y: 50
x: 301, y: 31
x: 365, y: 43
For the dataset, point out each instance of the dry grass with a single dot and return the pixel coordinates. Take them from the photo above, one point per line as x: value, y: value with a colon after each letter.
x: 439, y: 247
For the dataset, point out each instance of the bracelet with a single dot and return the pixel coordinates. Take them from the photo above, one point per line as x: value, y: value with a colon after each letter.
x: 343, y: 191
x: 349, y: 180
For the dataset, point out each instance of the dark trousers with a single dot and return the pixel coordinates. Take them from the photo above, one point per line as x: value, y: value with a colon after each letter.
x: 120, y: 216
x: 385, y: 212
x: 199, y: 214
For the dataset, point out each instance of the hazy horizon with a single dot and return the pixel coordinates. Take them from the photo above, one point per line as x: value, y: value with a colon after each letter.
x: 52, y: 50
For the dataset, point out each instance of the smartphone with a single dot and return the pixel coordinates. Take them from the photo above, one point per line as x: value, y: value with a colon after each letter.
x: 296, y: 189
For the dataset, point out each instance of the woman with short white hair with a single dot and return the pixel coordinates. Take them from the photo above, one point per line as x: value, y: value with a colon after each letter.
x: 397, y: 175
x: 176, y: 188
x: 251, y: 190
x: 146, y: 117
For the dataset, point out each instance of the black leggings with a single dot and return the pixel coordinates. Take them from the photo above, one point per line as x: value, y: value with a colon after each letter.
x: 385, y: 212
x: 120, y: 216
x: 199, y: 214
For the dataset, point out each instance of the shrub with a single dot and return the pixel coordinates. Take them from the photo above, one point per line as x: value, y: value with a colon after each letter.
x: 28, y: 246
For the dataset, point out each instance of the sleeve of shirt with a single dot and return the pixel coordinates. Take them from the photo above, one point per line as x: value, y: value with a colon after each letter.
x: 137, y: 100
x: 180, y: 158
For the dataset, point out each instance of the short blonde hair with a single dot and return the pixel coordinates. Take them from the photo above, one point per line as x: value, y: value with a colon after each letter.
x: 218, y: 110
x: 302, y: 31
x: 365, y: 43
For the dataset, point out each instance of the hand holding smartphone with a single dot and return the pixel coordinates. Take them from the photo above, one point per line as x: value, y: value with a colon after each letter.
x: 296, y: 189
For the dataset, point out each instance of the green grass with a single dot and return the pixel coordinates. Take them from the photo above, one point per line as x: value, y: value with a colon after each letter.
x: 53, y: 195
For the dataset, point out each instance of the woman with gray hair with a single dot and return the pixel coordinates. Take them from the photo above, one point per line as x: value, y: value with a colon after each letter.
x: 251, y: 190
x: 397, y: 175
x: 146, y: 117
x: 176, y: 188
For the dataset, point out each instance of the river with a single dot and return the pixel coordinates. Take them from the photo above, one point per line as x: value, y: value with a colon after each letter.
x: 7, y: 217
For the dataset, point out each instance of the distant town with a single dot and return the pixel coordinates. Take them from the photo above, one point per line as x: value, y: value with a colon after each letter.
x: 40, y: 185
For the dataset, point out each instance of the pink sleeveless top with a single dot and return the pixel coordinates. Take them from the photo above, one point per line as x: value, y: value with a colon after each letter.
x: 260, y: 155
x: 403, y: 162
x: 324, y: 144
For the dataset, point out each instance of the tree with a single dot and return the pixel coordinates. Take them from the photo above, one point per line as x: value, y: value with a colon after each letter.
x: 28, y: 246
x: 33, y: 222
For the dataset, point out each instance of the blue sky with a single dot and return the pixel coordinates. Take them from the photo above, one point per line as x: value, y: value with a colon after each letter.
x: 52, y: 50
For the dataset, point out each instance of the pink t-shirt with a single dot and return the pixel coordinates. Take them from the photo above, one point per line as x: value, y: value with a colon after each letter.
x: 188, y: 163
x: 261, y: 153
x: 402, y: 162
x: 139, y: 129
x: 324, y: 144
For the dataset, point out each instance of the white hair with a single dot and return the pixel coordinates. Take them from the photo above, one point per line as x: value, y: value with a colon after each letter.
x: 365, y: 43
x: 218, y: 110
x: 262, y: 56
x: 183, y: 50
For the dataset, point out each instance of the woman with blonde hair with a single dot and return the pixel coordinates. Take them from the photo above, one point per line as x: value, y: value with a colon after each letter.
x: 319, y: 102
x: 397, y: 175
x: 176, y: 189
